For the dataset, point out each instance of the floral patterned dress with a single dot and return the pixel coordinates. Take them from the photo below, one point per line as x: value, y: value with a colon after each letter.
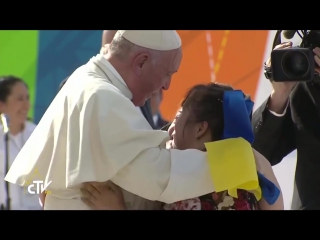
x: 217, y: 201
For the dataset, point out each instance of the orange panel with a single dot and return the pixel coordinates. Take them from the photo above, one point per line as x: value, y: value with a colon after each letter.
x: 239, y: 54
x: 242, y: 60
x: 194, y: 69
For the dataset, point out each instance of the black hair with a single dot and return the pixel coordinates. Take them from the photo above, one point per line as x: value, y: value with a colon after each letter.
x: 6, y: 85
x: 205, y: 101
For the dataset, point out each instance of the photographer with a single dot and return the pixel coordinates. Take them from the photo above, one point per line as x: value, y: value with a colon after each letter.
x: 290, y: 120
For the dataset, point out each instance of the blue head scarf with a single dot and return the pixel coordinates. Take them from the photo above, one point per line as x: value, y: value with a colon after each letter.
x: 237, y: 112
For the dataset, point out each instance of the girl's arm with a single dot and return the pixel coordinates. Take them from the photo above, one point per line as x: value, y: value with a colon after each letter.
x: 264, y: 167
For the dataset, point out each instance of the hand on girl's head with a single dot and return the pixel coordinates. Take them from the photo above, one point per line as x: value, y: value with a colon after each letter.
x: 171, y: 129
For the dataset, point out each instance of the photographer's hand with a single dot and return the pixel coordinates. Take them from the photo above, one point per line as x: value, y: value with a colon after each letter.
x: 281, y: 90
x: 316, y: 51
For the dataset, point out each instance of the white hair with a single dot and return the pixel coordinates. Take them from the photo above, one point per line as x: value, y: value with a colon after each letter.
x: 121, y: 48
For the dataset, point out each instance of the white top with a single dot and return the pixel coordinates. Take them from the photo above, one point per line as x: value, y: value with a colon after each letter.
x: 20, y: 200
x: 93, y: 132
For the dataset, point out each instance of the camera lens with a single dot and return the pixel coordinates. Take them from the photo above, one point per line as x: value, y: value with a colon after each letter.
x: 295, y: 64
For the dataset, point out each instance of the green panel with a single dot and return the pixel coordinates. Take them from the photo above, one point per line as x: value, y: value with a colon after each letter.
x: 19, y: 57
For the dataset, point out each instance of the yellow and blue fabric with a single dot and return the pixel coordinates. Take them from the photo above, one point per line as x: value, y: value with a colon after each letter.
x: 231, y: 160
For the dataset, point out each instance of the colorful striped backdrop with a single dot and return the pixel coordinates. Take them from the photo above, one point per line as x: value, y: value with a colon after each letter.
x: 44, y: 58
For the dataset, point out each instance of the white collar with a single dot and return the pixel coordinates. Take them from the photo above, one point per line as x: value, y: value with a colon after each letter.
x: 112, y: 74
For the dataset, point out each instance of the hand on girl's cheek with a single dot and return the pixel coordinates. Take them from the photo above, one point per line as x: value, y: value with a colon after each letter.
x: 170, y: 144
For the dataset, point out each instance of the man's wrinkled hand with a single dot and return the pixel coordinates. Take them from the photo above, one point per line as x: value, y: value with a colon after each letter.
x: 102, y: 196
x: 285, y: 45
x: 316, y: 51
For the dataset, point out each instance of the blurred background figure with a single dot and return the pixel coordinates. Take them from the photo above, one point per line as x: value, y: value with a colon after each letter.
x: 15, y: 104
x: 107, y: 36
x: 63, y: 83
x: 155, y: 103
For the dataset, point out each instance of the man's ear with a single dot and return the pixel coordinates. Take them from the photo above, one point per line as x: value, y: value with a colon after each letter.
x: 201, y: 129
x: 139, y: 61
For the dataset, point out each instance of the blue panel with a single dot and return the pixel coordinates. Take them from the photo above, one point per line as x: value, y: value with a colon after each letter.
x: 60, y: 53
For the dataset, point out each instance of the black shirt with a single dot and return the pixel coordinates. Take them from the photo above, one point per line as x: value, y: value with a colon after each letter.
x: 299, y: 129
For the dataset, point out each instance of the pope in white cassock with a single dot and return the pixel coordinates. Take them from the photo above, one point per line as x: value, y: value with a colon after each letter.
x: 93, y: 132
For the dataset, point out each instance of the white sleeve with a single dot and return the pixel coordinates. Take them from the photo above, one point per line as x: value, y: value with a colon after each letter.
x: 136, y: 158
x: 282, y: 114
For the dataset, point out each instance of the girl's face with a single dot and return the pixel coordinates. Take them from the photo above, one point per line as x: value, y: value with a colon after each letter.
x: 187, y: 134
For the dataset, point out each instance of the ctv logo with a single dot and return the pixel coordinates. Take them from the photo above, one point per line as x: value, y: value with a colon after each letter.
x: 37, y: 187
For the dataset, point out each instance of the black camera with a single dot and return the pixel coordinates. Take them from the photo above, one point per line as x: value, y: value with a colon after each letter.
x: 297, y: 63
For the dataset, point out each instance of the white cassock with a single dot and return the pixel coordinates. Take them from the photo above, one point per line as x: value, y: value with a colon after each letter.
x: 93, y: 132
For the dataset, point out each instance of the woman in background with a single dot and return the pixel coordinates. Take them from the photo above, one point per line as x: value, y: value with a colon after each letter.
x: 200, y: 120
x: 15, y: 104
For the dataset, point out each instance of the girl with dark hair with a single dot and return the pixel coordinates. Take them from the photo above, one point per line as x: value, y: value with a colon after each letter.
x: 15, y: 104
x: 200, y: 120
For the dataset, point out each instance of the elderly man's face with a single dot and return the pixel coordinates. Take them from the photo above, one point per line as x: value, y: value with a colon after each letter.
x: 157, y: 75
